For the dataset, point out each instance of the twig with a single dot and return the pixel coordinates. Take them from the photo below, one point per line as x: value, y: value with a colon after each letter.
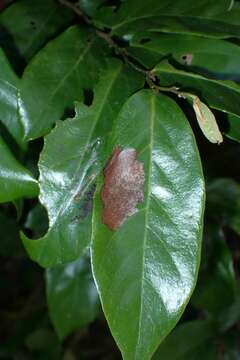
x: 75, y: 8
x: 150, y: 77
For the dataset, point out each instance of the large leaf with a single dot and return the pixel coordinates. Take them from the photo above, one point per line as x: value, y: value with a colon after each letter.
x: 210, y: 17
x: 218, y: 94
x: 146, y: 269
x: 72, y: 296
x: 15, y: 180
x: 57, y: 77
x: 212, y: 57
x: 28, y: 24
x: 191, y: 340
x: 68, y: 169
x: 9, y: 115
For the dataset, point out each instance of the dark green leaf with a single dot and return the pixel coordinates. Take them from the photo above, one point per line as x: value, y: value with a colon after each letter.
x: 68, y: 169
x: 221, y: 95
x: 72, y: 296
x: 15, y: 180
x: 56, y: 78
x: 211, y: 57
x: 146, y: 269
x: 9, y: 115
x: 37, y: 221
x: 231, y: 315
x: 191, y: 340
x: 223, y: 202
x: 234, y: 127
x: 28, y: 24
x: 216, y: 286
x: 214, y: 18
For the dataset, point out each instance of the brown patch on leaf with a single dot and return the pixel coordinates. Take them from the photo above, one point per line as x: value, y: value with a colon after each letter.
x: 123, y: 187
x: 188, y: 58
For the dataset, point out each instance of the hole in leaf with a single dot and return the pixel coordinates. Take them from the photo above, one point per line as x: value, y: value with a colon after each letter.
x: 88, y: 96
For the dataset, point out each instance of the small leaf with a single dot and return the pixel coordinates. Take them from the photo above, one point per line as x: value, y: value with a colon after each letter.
x: 72, y: 296
x: 15, y: 180
x: 68, y: 169
x: 218, y: 94
x: 146, y: 269
x: 207, y: 121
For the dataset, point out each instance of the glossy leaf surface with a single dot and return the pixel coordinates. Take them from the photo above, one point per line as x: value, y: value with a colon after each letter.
x: 9, y: 115
x: 72, y: 296
x: 191, y: 340
x: 28, y: 24
x: 217, y: 19
x: 221, y: 95
x: 211, y: 57
x: 57, y: 77
x: 15, y: 180
x: 67, y: 182
x: 146, y: 269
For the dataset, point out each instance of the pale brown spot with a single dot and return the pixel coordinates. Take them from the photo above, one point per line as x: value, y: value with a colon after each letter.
x: 188, y: 58
x: 123, y: 187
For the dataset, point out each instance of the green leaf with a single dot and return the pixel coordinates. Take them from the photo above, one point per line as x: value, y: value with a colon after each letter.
x: 217, y: 278
x: 231, y: 315
x: 234, y: 127
x: 28, y: 24
x: 146, y: 269
x: 72, y: 296
x: 57, y: 77
x: 209, y: 17
x: 191, y: 340
x: 37, y: 221
x: 223, y: 201
x: 15, y: 180
x: 9, y: 115
x: 211, y: 57
x: 67, y: 182
x: 220, y: 95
